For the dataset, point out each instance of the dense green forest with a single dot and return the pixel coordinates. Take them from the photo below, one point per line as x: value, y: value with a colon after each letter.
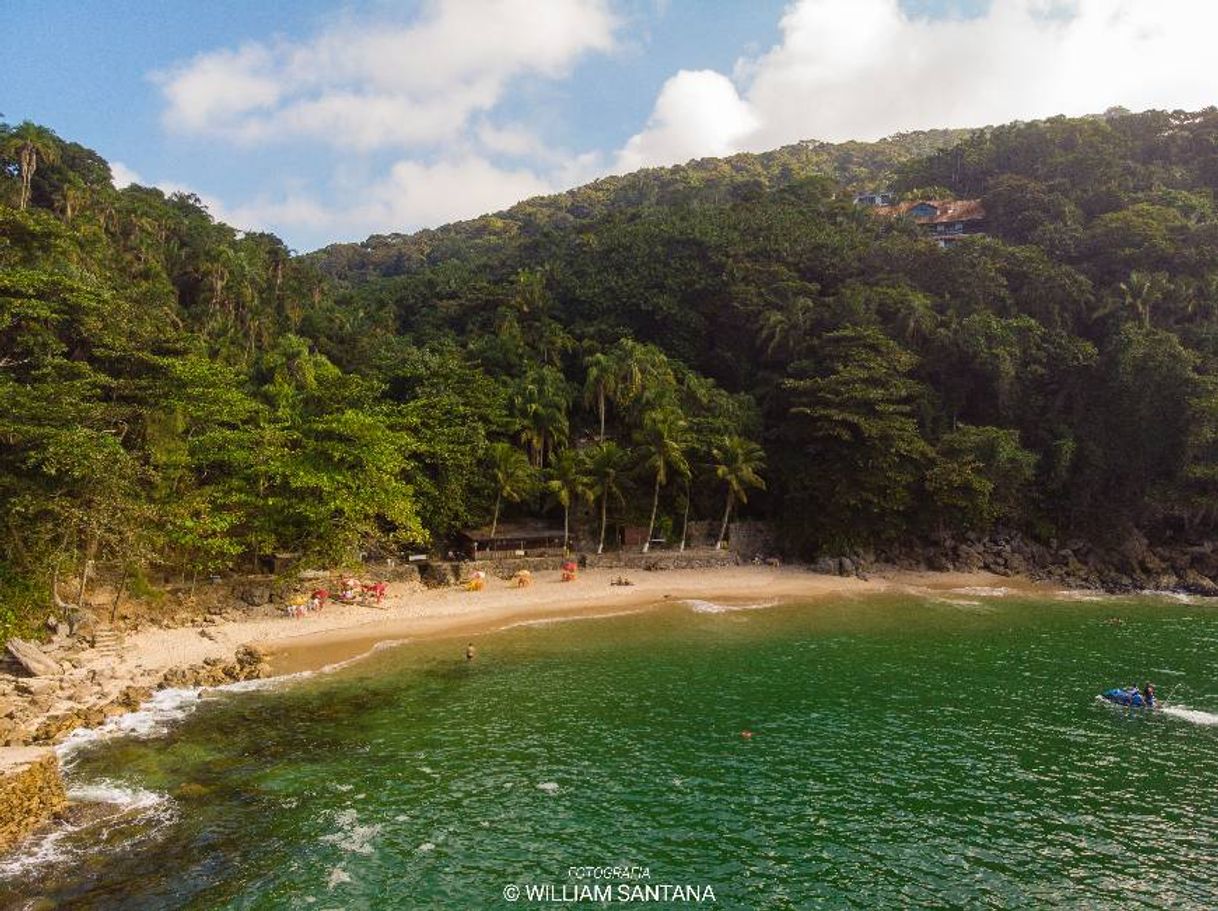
x: 179, y: 398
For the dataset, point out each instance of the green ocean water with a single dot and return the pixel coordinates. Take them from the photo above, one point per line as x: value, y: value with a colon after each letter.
x: 941, y: 753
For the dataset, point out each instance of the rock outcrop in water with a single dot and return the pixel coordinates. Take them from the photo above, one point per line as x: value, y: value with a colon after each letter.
x: 31, y: 792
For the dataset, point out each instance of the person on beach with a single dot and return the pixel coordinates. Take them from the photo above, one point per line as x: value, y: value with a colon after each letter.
x: 469, y: 652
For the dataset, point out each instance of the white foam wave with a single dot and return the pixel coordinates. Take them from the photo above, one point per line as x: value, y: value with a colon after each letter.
x: 168, y: 706
x: 125, y: 798
x: 550, y: 787
x: 982, y: 591
x: 699, y: 606
x: 1195, y: 716
x: 550, y: 621
x: 152, y: 718
x: 1070, y: 594
x: 58, y: 846
x: 1182, y: 597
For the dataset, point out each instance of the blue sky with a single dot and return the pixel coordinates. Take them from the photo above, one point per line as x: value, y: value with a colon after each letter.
x: 329, y: 121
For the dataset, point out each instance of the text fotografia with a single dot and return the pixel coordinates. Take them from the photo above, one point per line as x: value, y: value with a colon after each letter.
x: 610, y: 893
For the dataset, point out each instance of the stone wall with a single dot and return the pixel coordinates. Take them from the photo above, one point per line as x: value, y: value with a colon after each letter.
x: 702, y: 558
x: 751, y: 539
x: 31, y: 792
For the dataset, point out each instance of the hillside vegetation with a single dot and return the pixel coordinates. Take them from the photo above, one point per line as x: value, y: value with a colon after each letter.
x: 181, y: 399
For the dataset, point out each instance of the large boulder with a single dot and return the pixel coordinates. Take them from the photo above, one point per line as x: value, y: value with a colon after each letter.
x: 255, y: 594
x: 35, y: 662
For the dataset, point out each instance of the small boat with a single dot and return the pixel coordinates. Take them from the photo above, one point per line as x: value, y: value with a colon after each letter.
x: 1129, y: 696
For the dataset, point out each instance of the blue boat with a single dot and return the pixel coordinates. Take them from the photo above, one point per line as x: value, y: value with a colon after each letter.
x: 1130, y: 696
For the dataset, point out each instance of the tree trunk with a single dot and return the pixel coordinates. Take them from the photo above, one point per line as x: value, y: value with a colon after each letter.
x: 655, y: 503
x: 600, y: 401
x: 29, y: 164
x: 495, y: 521
x: 600, y: 548
x: 118, y: 597
x: 685, y: 523
x: 723, y: 530
x: 566, y: 528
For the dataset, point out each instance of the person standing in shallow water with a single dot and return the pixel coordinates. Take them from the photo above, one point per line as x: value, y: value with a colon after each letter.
x: 469, y: 652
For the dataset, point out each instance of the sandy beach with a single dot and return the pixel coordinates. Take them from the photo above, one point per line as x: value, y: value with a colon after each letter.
x: 340, y: 632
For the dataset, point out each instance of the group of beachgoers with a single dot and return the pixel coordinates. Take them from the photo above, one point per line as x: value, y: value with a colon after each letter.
x: 522, y: 578
x: 350, y: 591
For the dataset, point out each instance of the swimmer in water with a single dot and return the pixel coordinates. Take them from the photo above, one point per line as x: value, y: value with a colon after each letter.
x: 469, y: 652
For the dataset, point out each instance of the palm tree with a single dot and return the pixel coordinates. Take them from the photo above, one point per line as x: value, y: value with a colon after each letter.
x: 514, y: 476
x: 29, y: 143
x: 662, y: 444
x: 540, y: 407
x: 737, y: 461
x: 601, y: 384
x: 784, y: 331
x: 569, y: 482
x: 606, y: 462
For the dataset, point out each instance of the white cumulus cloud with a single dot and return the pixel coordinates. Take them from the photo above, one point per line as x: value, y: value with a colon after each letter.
x: 862, y: 69
x: 412, y: 194
x: 375, y: 83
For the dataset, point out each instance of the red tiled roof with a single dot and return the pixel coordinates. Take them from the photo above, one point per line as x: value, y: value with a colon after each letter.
x: 949, y: 210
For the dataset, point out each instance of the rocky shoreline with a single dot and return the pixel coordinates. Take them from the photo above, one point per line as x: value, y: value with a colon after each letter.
x: 1132, y: 565
x: 43, y: 710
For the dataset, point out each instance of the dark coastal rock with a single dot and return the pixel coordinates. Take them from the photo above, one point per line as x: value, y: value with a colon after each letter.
x: 1195, y: 583
x: 825, y: 566
x: 437, y: 574
x: 35, y: 662
x: 255, y: 594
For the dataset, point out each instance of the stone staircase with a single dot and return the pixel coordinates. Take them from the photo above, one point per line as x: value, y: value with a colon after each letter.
x: 107, y: 642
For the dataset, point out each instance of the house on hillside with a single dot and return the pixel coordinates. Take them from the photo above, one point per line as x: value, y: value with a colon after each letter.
x: 877, y: 198
x: 946, y: 220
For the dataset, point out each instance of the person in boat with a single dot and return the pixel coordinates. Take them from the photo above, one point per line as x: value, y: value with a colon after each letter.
x: 1148, y: 694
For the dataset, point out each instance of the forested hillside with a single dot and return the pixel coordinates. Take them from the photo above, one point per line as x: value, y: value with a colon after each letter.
x: 179, y: 398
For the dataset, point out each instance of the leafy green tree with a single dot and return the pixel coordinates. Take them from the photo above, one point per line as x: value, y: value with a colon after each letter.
x: 979, y: 476
x: 853, y: 426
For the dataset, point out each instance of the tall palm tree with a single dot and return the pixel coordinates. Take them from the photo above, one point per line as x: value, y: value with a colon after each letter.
x: 514, y: 476
x: 606, y: 462
x: 568, y: 481
x: 540, y: 407
x: 662, y: 441
x: 29, y: 143
x: 737, y: 462
x: 601, y: 384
